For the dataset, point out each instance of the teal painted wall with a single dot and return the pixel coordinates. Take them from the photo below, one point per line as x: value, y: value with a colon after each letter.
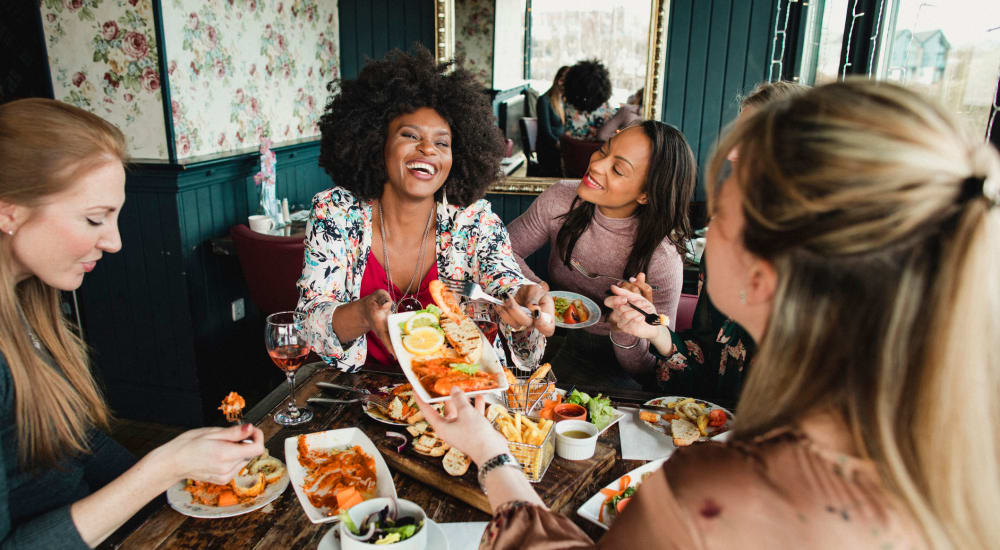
x: 716, y: 50
x: 370, y: 28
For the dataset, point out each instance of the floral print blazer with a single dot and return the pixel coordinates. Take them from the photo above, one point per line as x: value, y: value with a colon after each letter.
x: 471, y: 242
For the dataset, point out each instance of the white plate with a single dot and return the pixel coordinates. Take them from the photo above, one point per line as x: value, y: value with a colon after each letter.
x: 377, y: 415
x: 592, y: 308
x: 182, y: 501
x: 436, y: 538
x: 488, y: 362
x: 334, y: 439
x: 591, y: 509
x: 618, y: 414
x: 664, y: 427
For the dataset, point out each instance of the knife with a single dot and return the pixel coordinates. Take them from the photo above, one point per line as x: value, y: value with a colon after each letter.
x: 330, y: 386
x: 657, y: 410
x: 327, y: 400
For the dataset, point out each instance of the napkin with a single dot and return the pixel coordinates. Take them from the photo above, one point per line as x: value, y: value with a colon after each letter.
x: 463, y: 535
x: 639, y: 442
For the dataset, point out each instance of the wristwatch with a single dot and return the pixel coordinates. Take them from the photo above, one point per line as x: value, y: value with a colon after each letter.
x: 505, y: 459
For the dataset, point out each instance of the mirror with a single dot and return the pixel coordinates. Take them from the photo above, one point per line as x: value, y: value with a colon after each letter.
x: 627, y: 14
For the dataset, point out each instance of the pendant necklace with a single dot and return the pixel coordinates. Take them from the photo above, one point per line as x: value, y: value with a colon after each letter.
x: 405, y: 302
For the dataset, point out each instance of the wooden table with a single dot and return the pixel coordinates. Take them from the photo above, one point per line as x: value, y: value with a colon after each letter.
x: 283, y: 523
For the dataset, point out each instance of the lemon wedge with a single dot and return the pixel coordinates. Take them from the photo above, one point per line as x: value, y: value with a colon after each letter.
x: 423, y: 341
x: 423, y: 319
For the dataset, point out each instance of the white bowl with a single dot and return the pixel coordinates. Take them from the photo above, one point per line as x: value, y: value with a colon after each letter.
x: 360, y: 511
x: 572, y: 448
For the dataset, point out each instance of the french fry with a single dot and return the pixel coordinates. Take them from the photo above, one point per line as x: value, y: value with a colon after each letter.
x: 517, y: 422
x: 541, y: 371
x: 529, y: 423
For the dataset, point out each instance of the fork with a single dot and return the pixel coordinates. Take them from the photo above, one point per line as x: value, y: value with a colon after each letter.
x: 583, y: 271
x: 651, y: 318
x: 331, y: 386
x: 474, y: 292
x: 379, y: 401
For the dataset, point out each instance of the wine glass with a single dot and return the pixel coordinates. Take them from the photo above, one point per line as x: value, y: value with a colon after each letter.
x: 481, y: 313
x: 286, y: 343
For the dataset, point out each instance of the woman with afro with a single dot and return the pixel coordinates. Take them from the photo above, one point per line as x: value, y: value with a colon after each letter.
x: 587, y: 88
x: 411, y: 148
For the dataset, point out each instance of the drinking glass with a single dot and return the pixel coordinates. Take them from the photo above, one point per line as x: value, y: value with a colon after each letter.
x: 288, y: 347
x: 482, y: 314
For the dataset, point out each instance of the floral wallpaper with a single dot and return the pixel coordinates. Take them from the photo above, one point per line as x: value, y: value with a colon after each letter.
x: 243, y: 70
x: 474, y: 37
x: 103, y: 58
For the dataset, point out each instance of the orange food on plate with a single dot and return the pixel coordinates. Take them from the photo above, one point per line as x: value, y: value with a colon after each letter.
x: 445, y: 299
x: 438, y: 377
x: 252, y: 480
x: 336, y: 479
x: 232, y: 406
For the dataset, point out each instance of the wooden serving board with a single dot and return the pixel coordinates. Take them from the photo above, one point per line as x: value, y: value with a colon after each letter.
x: 560, y: 484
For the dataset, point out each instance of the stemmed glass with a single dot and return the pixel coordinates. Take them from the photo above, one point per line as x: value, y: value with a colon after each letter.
x: 482, y: 314
x: 286, y: 343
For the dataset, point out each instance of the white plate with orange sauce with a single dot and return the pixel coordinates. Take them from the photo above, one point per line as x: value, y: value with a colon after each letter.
x: 341, y: 439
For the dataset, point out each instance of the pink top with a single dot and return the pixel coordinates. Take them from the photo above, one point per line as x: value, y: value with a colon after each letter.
x: 603, y: 248
x: 373, y: 279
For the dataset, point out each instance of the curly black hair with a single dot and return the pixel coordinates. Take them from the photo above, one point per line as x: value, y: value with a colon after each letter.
x: 587, y: 85
x: 356, y: 120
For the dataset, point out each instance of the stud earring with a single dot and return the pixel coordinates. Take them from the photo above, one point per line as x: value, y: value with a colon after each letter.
x: 10, y: 232
x: 743, y: 296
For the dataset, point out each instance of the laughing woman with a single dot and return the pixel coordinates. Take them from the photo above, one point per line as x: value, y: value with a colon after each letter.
x: 412, y: 148
x: 627, y: 216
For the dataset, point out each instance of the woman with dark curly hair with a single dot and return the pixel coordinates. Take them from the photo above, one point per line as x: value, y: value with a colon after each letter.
x: 627, y: 217
x: 411, y: 148
x: 587, y: 88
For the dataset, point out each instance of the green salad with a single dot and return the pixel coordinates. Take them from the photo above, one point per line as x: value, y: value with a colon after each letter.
x: 599, y: 408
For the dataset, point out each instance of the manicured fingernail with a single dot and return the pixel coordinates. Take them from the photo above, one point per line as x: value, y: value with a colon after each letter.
x: 631, y: 279
x: 536, y: 313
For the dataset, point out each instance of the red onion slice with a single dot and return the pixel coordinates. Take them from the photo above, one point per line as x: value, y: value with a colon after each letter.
x: 397, y: 435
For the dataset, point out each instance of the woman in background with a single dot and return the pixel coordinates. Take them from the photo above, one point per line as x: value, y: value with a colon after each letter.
x: 551, y: 118
x: 627, y: 216
x: 857, y: 240
x: 63, y: 482
x: 711, y: 359
x: 587, y: 88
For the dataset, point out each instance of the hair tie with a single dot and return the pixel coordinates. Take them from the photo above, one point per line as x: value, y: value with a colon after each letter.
x: 972, y: 188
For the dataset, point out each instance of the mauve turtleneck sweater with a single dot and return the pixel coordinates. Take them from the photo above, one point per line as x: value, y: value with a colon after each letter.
x: 603, y: 248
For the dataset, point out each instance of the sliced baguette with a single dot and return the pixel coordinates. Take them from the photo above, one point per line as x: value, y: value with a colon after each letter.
x: 463, y: 334
x: 456, y: 463
x: 684, y: 432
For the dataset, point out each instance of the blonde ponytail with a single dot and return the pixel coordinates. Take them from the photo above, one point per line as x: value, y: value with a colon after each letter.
x: 880, y: 218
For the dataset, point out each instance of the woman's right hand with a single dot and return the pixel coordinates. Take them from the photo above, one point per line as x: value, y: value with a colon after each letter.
x: 465, y: 427
x: 375, y: 310
x: 215, y: 455
x: 626, y: 318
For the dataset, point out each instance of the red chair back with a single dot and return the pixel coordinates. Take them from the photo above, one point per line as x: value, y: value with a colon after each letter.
x: 685, y: 311
x: 576, y: 155
x: 271, y: 265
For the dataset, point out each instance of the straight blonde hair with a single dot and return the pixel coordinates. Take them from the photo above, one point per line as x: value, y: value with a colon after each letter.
x: 876, y: 212
x: 555, y: 94
x: 45, y: 146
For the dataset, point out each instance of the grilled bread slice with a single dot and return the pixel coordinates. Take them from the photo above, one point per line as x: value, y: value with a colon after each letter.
x: 684, y: 432
x: 463, y: 334
x: 456, y: 463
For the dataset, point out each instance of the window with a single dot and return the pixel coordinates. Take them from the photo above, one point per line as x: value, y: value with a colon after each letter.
x: 947, y: 49
x: 616, y: 33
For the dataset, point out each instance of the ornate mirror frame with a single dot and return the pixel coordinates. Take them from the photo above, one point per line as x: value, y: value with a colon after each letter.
x: 444, y: 49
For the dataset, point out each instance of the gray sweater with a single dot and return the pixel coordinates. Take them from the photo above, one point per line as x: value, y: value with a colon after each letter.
x: 34, y: 505
x: 603, y: 248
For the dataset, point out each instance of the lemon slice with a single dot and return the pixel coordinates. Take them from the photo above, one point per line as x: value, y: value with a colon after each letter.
x: 423, y: 341
x: 420, y: 320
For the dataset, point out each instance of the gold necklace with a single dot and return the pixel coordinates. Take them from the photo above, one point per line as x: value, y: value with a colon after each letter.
x: 411, y: 303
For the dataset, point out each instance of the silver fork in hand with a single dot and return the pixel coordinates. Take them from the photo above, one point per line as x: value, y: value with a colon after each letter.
x: 474, y: 292
x: 583, y: 271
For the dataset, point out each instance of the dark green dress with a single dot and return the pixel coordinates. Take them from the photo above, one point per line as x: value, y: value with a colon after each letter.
x: 711, y: 358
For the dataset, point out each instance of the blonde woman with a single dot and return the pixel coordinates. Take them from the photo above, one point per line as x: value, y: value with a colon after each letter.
x: 857, y: 240
x: 551, y: 119
x: 64, y: 482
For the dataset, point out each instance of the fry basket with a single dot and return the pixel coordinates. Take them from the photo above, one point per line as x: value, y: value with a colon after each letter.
x: 534, y: 459
x: 524, y: 392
